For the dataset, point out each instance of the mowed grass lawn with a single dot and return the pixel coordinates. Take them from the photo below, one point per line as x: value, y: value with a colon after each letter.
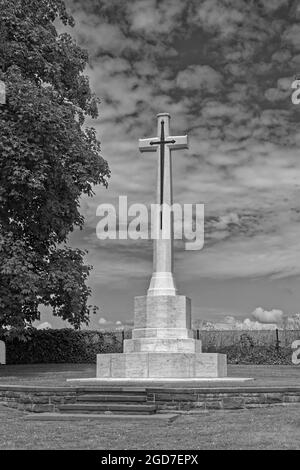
x: 276, y: 427
x: 264, y: 428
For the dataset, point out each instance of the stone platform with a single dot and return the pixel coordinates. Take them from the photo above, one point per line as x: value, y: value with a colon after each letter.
x: 165, y: 398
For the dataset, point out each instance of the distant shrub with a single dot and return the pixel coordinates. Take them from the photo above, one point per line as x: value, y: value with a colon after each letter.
x: 258, y: 355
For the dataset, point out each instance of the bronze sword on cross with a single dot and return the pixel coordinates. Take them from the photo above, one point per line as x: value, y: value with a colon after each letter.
x: 162, y: 142
x: 163, y: 145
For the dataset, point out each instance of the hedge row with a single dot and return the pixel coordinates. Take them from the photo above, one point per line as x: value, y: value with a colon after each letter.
x: 70, y: 346
x: 258, y: 355
x: 247, y: 351
x: 61, y: 346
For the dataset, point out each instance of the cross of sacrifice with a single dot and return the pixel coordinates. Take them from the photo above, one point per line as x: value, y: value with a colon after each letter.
x: 163, y: 144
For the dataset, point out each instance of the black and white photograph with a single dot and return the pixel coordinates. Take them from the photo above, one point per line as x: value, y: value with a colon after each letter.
x: 149, y: 228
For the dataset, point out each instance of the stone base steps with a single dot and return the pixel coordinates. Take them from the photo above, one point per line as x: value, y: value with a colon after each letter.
x: 112, y: 398
x: 109, y: 400
x: 95, y: 389
x: 144, y: 401
x: 108, y: 407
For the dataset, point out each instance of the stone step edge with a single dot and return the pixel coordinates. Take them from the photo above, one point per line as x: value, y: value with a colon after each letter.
x: 149, y: 389
x: 112, y: 397
x: 217, y: 390
x: 169, y: 417
x: 125, y: 406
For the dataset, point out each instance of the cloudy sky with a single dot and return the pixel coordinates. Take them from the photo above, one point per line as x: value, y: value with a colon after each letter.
x: 223, y: 69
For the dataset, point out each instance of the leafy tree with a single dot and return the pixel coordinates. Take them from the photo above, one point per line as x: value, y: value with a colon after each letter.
x: 48, y: 159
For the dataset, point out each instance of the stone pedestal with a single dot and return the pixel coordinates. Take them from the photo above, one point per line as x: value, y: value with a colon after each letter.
x: 162, y: 345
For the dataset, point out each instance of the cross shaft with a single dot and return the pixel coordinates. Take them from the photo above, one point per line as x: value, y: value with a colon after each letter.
x: 162, y: 281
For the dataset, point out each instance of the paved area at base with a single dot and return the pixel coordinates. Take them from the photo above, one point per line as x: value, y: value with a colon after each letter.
x: 169, y: 417
x: 147, y: 382
x: 56, y: 374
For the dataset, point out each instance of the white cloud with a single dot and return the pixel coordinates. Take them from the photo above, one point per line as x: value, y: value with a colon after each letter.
x: 268, y: 316
x: 214, y: 15
x: 246, y: 324
x: 292, y: 36
x: 149, y: 18
x: 274, y: 94
x: 199, y: 77
x: 44, y: 326
x: 231, y: 323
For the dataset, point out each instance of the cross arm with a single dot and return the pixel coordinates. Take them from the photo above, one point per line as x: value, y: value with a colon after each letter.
x: 146, y: 146
x: 181, y: 142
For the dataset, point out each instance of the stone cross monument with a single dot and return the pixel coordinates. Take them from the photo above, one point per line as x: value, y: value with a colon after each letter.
x: 163, y: 344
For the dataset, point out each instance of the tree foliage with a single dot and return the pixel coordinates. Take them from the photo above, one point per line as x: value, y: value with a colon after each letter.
x: 48, y: 159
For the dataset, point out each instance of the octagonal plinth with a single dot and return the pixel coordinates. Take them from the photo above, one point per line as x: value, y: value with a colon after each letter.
x: 161, y: 365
